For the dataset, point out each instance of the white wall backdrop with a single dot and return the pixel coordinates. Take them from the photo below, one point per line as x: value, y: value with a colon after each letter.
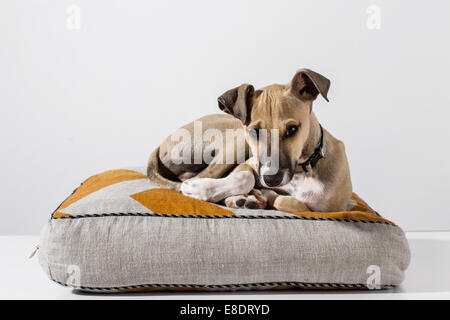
x: 78, y: 101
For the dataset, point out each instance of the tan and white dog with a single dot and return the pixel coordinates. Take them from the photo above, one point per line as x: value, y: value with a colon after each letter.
x: 309, y: 171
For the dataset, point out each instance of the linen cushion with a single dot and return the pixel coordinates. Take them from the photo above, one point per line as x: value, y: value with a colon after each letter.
x: 119, y: 232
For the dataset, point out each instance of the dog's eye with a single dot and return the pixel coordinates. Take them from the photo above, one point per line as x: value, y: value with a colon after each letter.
x: 291, y: 130
x: 253, y: 133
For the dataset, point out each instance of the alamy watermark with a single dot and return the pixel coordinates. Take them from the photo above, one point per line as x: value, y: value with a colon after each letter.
x: 223, y: 146
x: 373, y: 21
x: 72, y: 273
x: 374, y: 280
x: 73, y: 19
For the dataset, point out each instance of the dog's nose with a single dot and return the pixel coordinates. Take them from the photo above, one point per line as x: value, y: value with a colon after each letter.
x: 273, y: 180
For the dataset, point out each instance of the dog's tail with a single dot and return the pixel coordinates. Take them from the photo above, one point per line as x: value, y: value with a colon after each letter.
x: 155, y: 171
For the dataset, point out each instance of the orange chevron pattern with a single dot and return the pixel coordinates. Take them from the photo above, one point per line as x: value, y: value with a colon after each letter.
x: 166, y: 201
x: 171, y: 202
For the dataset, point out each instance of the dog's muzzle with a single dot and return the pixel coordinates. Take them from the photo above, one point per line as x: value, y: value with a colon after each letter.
x: 275, y: 180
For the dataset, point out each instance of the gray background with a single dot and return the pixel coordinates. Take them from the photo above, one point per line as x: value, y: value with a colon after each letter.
x: 78, y: 102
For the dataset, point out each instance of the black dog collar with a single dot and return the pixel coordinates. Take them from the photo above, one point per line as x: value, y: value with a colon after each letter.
x: 318, y: 153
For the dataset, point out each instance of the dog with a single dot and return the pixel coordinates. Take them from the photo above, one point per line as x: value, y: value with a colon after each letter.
x: 311, y: 172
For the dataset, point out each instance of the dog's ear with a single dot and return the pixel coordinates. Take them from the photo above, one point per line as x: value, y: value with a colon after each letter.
x: 237, y: 102
x: 307, y: 84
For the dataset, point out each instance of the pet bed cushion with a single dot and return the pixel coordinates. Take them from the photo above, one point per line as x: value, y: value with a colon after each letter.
x: 118, y: 232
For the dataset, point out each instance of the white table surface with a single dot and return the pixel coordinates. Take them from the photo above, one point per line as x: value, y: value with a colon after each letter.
x: 428, y: 276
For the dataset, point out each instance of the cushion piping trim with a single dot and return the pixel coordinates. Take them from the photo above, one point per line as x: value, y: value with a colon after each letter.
x: 139, y: 214
x: 52, y: 215
x: 225, y: 286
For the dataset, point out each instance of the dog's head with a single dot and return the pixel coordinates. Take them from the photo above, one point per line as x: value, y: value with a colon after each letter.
x: 276, y: 120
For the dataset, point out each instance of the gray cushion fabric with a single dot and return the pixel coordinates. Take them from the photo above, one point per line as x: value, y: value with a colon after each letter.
x: 125, y: 251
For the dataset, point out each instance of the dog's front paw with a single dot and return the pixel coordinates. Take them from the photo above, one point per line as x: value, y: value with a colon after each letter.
x: 199, y: 188
x: 289, y: 204
x: 254, y: 200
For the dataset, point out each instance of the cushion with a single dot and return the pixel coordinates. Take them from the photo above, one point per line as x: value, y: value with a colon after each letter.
x: 118, y: 232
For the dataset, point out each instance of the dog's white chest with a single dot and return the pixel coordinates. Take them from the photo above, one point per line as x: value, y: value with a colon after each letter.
x: 305, y: 188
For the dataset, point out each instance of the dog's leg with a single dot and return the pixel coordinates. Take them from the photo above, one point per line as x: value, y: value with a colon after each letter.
x: 254, y: 200
x: 214, y: 190
x: 239, y: 182
x: 289, y: 204
x: 284, y: 203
